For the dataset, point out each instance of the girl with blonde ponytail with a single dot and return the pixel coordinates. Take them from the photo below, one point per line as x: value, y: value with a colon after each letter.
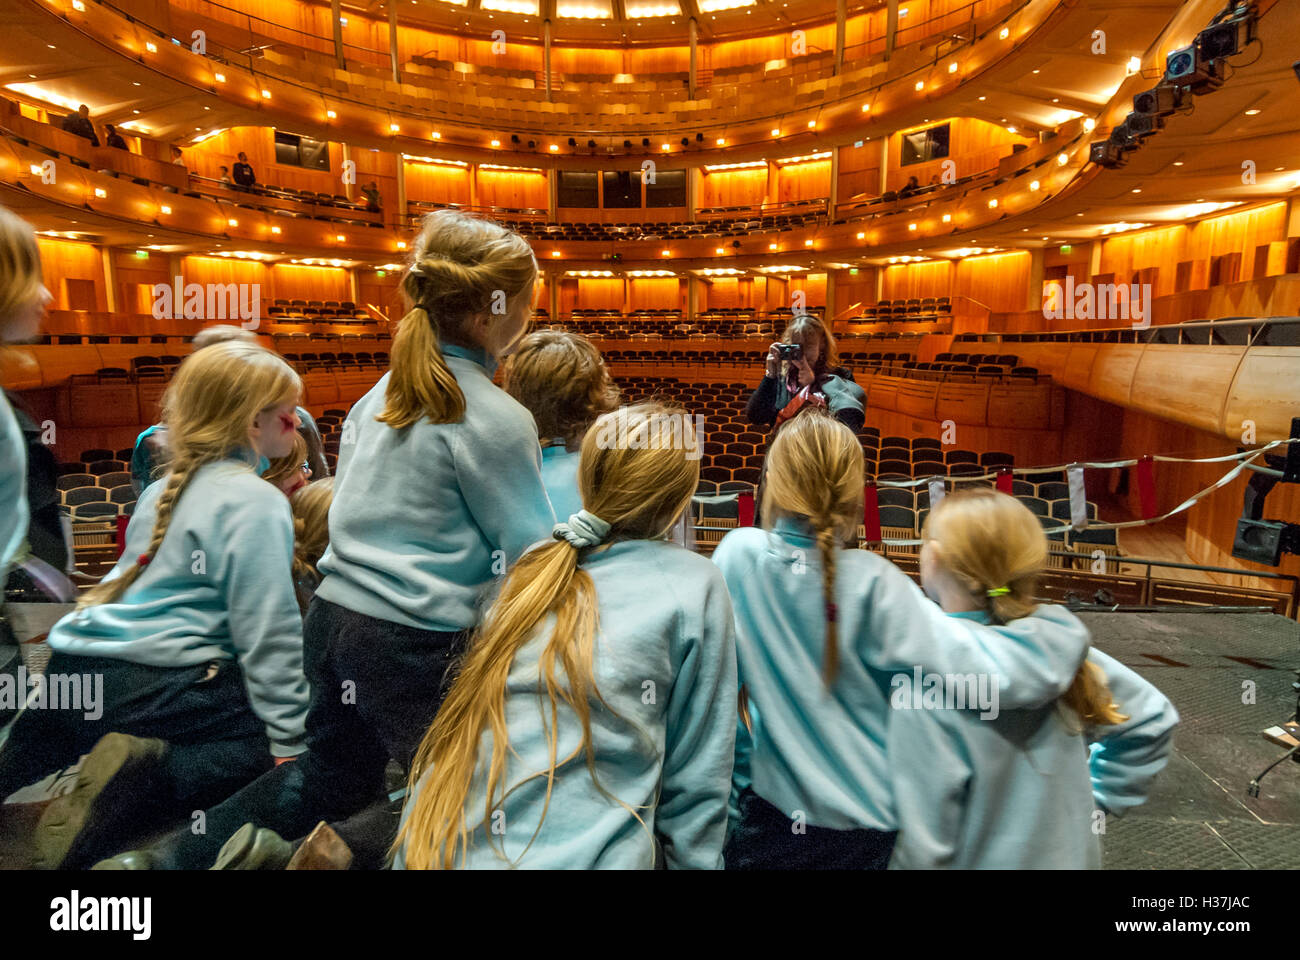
x: 1017, y: 789
x: 438, y: 488
x: 820, y: 628
x: 591, y: 723
x: 195, y: 632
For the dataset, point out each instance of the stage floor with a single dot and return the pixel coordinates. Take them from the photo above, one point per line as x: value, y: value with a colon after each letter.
x: 1199, y: 816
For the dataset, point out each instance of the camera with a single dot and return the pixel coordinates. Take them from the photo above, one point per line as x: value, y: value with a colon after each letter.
x: 789, y: 351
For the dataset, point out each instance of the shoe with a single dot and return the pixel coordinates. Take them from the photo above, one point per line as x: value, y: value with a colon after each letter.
x: 131, y: 860
x: 119, y: 775
x: 254, y: 848
x: 322, y: 850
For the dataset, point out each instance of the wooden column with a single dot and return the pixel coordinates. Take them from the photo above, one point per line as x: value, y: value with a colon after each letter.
x: 392, y: 41
x: 336, y: 14
x: 891, y: 28
x: 1034, y: 295
x: 110, y: 279
x: 546, y: 56
x: 694, y: 35
x: 401, y: 192
x: 841, y: 13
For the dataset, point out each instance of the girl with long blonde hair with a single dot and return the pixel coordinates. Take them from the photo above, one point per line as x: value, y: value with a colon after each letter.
x: 591, y: 724
x: 1015, y: 789
x: 23, y: 298
x: 438, y: 488
x: 819, y: 629
x: 562, y: 380
x: 195, y: 631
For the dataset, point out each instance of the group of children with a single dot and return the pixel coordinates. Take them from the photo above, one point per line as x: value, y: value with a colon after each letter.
x: 577, y: 694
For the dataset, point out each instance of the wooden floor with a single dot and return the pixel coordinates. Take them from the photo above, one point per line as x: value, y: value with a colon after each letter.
x: 1161, y: 541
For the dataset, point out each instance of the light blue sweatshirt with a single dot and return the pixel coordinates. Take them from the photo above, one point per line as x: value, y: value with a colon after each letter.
x: 665, y: 663
x: 1125, y: 758
x: 560, y: 475
x: 823, y: 752
x: 424, y: 518
x: 13, y: 489
x: 219, y: 588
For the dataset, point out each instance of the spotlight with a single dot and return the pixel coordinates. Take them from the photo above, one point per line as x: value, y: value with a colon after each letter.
x: 532, y: 144
x: 685, y: 142
x: 591, y: 144
x: 514, y: 138
x: 1106, y: 154
x: 1159, y: 101
x: 1187, y: 67
x: 1228, y: 37
x: 699, y: 138
x: 645, y: 141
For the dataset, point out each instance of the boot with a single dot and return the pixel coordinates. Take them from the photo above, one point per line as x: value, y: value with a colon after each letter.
x: 322, y: 850
x: 121, y: 774
x: 254, y: 848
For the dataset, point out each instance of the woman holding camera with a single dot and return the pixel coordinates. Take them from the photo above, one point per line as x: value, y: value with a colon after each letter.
x: 804, y: 369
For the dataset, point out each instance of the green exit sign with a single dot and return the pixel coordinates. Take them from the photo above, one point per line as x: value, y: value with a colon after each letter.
x: 381, y: 273
x: 853, y: 271
x: 1065, y: 250
x: 142, y: 254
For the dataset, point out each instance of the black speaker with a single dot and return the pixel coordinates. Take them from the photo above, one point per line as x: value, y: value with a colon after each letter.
x: 627, y: 144
x: 1139, y: 128
x: 699, y: 138
x: 514, y: 138
x: 685, y: 142
x: 1159, y: 101
x: 645, y: 141
x: 591, y: 144
x: 573, y: 142
x: 532, y: 144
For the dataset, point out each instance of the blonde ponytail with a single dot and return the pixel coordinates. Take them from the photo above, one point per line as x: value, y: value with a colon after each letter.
x: 462, y: 268
x: 992, y: 545
x: 639, y: 490
x: 815, y: 472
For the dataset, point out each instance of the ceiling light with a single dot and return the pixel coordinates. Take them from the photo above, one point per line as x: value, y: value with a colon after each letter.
x: 1006, y: 32
x: 947, y: 218
x: 275, y: 230
x: 1034, y: 185
x: 1134, y: 64
x: 435, y: 135
x: 555, y: 253
x: 862, y: 236
x: 150, y: 46
x: 993, y: 204
x: 920, y: 85
x: 393, y: 128
x: 219, y: 77
x: 771, y: 246
x: 952, y: 67
x: 1062, y: 159
x: 812, y: 124
x: 164, y: 209
x: 1089, y: 124
x: 496, y: 143
x: 1252, y: 112
x: 266, y: 94
x: 911, y: 226
x: 232, y: 223
x: 667, y: 253
x: 340, y: 238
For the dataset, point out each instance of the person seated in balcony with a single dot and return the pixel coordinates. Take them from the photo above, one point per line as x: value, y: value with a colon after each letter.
x: 225, y: 177
x: 112, y: 138
x: 934, y: 180
x: 79, y: 124
x: 910, y: 188
x: 374, y: 201
x: 809, y: 375
x: 243, y: 174
x: 178, y: 157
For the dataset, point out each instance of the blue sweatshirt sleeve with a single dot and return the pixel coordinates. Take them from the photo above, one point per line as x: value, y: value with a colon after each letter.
x: 699, y: 742
x: 1034, y: 658
x: 741, y: 776
x: 501, y: 480
x: 930, y: 787
x: 265, y: 625
x: 13, y: 489
x: 1125, y: 758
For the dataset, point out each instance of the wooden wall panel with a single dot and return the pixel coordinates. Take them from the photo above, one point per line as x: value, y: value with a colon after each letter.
x: 973, y: 147
x: 298, y: 282
x: 906, y: 280
x: 733, y: 188
x: 205, y: 159
x: 64, y: 260
x: 512, y: 188
x: 436, y: 183
x: 804, y: 181
x: 657, y: 293
x: 998, y: 281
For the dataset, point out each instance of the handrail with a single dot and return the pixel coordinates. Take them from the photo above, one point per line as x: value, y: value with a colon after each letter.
x: 1154, y: 333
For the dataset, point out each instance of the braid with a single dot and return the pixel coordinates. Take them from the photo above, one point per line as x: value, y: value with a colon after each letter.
x: 302, y: 567
x: 182, y: 471
x: 826, y: 547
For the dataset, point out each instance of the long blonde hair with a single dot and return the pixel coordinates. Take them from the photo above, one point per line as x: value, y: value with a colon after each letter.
x: 311, y: 532
x: 815, y: 471
x: 639, y: 485
x: 991, y: 542
x: 20, y: 266
x: 562, y: 380
x: 461, y: 267
x: 209, y: 409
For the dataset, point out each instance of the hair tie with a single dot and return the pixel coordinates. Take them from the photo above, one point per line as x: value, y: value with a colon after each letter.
x: 584, y: 529
x: 999, y: 591
x: 143, y: 560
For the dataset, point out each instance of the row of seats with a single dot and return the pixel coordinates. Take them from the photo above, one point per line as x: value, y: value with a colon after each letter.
x: 703, y: 229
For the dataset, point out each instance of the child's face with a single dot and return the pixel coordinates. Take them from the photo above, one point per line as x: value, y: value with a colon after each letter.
x: 930, y: 569
x: 274, y: 430
x: 296, y: 480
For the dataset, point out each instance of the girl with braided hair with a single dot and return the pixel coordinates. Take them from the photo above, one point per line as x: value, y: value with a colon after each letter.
x: 820, y: 628
x: 438, y: 489
x: 195, y: 632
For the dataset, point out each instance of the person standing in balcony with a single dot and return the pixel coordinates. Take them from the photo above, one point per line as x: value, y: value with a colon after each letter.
x: 79, y: 124
x: 243, y: 174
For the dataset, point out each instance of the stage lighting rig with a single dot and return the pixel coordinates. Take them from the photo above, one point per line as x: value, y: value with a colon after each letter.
x: 1265, y: 541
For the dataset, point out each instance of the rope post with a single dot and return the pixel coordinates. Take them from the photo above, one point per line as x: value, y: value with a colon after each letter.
x: 870, y: 514
x: 1147, y: 486
x: 1004, y: 480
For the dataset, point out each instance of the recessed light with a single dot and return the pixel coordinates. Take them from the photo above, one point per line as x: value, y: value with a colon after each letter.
x: 232, y: 223
x: 219, y: 77
x: 275, y: 230
x: 266, y: 94
x: 776, y: 132
x: 331, y: 114
x: 920, y: 85
x: 164, y: 209
x: 554, y: 253
x: 554, y: 148
x: 911, y: 226
x: 101, y: 192
x: 952, y: 67
x: 947, y: 218
x: 1252, y: 112
x: 667, y: 253
x: 436, y: 135
x: 812, y: 124
x: 1137, y: 189
x: 393, y: 128
x: 1034, y: 185
x: 993, y: 204
x: 1178, y: 163
x: 1006, y: 32
x: 771, y: 246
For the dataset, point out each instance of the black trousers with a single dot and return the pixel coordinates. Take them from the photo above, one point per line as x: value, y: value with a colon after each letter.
x: 375, y: 688
x: 766, y: 839
x: 217, y: 743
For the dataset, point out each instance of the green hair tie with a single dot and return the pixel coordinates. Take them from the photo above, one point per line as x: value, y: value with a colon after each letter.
x: 999, y: 591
